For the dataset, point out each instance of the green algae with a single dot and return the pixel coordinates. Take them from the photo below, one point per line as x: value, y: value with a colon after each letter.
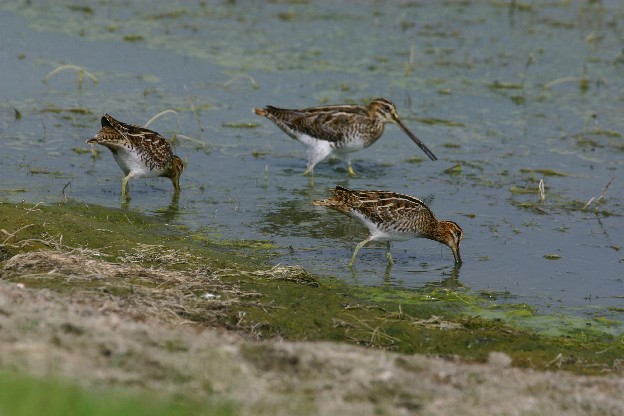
x: 440, y: 322
x: 545, y: 172
x: 414, y: 159
x: 454, y: 170
x: 500, y: 85
x: 297, y: 306
x: 240, y: 125
x: 133, y: 38
x: 56, y: 110
x: 434, y: 121
x: 54, y: 174
x: 111, y: 231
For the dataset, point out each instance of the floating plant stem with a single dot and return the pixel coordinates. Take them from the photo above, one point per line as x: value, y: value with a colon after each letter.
x: 162, y: 113
x: 194, y: 110
x: 68, y: 184
x: 252, y: 81
x: 409, y: 65
x: 588, y: 202
x: 601, y: 196
x: 561, y: 81
x: 604, y: 191
x: 79, y: 70
x: 583, y: 81
x: 526, y: 68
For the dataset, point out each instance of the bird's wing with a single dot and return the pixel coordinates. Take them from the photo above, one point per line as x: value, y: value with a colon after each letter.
x: 141, y: 139
x: 323, y: 123
x: 388, y: 207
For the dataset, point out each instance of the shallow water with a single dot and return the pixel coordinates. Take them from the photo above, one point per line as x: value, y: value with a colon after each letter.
x: 492, y: 89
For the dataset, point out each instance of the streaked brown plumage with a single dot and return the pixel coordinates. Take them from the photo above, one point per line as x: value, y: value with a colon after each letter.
x: 390, y: 216
x: 340, y: 129
x: 139, y: 152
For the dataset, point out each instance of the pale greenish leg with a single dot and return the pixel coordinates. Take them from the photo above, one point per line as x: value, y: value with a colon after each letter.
x: 350, y: 171
x: 176, y: 184
x: 350, y: 168
x: 387, y: 274
x: 309, y: 172
x: 125, y: 193
x: 388, y: 254
x: 357, y: 248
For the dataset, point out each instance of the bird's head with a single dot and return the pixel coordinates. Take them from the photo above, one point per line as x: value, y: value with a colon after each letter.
x: 177, y: 167
x: 451, y: 234
x: 385, y: 110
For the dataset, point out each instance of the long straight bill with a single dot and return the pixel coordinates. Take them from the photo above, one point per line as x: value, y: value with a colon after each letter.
x: 416, y: 140
x: 458, y: 259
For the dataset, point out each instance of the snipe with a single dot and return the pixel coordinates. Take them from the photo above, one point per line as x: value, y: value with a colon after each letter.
x: 390, y: 216
x: 139, y: 152
x: 340, y: 129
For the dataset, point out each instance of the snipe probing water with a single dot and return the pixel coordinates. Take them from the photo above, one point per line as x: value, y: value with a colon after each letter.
x: 390, y: 216
x: 339, y: 129
x: 139, y: 152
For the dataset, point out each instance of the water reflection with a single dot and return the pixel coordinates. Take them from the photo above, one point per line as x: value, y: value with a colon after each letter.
x: 297, y: 217
x: 386, y: 281
x: 171, y: 213
x: 168, y: 213
x: 450, y: 282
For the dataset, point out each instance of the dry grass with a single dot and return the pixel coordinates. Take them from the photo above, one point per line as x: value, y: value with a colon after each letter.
x: 142, y: 276
x: 201, y: 295
x: 294, y: 274
x: 157, y: 254
x: 11, y: 239
x: 174, y: 296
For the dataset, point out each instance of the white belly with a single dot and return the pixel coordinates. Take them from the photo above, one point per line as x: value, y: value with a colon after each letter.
x: 383, y: 235
x: 310, y: 141
x: 131, y: 162
x: 350, y: 146
x: 328, y: 147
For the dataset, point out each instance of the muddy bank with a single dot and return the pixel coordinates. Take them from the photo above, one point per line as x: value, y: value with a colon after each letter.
x: 105, y: 340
